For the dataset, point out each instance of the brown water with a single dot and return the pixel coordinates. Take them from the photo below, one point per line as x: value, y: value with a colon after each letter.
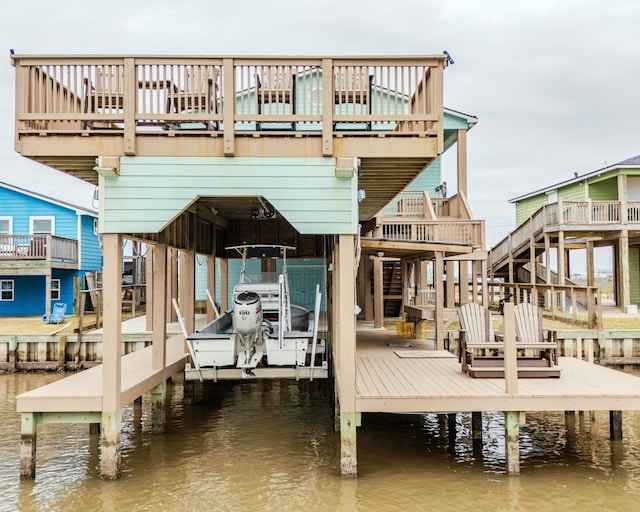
x: 270, y: 446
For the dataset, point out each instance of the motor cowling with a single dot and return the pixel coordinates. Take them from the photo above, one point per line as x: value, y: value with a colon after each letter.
x: 247, y: 312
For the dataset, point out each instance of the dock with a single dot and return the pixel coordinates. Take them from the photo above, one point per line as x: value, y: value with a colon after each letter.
x: 393, y: 374
x: 420, y: 379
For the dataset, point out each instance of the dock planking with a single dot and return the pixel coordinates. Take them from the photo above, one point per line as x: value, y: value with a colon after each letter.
x: 386, y: 382
x: 82, y: 391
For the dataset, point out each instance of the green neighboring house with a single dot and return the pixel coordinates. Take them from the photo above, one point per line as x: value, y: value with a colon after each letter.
x: 597, y: 209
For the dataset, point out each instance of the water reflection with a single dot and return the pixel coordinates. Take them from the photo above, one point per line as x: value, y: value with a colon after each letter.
x: 271, y: 445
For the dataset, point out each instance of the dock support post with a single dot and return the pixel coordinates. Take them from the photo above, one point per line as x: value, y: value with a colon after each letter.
x: 615, y: 425
x: 512, y: 448
x: 451, y: 426
x: 28, y: 427
x: 110, y: 451
x: 348, y: 447
x: 158, y: 401
x: 476, y: 425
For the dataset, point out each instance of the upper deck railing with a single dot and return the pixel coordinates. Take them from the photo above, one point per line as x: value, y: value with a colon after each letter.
x: 91, y: 95
x: 568, y: 215
x: 38, y: 247
x: 414, y: 215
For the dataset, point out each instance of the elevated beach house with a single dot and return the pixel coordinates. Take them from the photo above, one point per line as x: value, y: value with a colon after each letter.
x: 598, y: 209
x: 193, y: 155
x: 46, y: 247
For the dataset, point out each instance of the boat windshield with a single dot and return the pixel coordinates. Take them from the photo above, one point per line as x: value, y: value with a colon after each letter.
x: 261, y: 277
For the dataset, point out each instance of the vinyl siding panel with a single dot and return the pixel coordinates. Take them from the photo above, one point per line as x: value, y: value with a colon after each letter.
x: 605, y: 190
x: 527, y: 207
x: 151, y: 191
x: 573, y: 192
x: 90, y: 252
x: 428, y: 179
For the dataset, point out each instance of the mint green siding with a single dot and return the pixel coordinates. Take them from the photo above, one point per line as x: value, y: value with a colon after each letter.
x: 151, y: 191
x: 604, y: 190
x: 428, y: 179
x: 634, y: 274
x: 525, y: 208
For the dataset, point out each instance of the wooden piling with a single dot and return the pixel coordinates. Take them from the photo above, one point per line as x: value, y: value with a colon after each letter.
x: 348, y: 448
x: 158, y: 402
x: 512, y: 447
x: 615, y: 425
x: 476, y: 425
x: 28, y: 427
x: 110, y: 450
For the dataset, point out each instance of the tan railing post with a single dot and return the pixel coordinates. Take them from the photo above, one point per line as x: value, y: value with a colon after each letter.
x: 129, y: 105
x: 327, y: 107
x: 228, y: 107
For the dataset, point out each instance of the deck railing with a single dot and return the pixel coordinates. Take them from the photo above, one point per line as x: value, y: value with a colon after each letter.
x: 566, y: 213
x: 398, y: 96
x: 452, y: 231
x: 38, y: 247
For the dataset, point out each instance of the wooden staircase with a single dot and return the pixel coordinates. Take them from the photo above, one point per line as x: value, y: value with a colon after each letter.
x: 392, y: 286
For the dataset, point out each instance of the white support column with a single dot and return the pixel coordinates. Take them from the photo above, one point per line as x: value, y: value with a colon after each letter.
x: 111, y: 356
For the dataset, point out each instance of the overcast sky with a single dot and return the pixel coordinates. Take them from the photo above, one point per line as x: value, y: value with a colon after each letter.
x: 555, y: 84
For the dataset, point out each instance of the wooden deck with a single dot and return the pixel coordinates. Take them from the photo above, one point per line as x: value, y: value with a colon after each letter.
x: 433, y: 381
x: 82, y: 392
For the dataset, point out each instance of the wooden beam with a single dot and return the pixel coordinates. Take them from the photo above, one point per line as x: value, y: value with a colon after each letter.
x: 159, y: 279
x: 383, y: 245
x: 462, y: 161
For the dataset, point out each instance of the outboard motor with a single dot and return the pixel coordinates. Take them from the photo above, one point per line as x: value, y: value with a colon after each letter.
x: 247, y: 313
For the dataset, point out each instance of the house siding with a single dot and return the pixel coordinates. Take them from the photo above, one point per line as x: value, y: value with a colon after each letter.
x: 22, y: 207
x: 573, y: 192
x: 604, y: 190
x: 527, y: 207
x: 428, y: 179
x: 151, y: 191
x: 90, y: 252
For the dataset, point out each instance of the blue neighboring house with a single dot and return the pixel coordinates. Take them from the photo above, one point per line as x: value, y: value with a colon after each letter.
x: 46, y: 248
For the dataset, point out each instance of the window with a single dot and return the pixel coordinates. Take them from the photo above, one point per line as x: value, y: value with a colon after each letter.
x: 6, y: 225
x: 6, y: 289
x: 55, y: 289
x: 42, y: 225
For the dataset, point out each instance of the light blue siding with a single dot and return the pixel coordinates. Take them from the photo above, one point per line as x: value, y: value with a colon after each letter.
x: 323, y: 203
x: 90, y: 252
x: 428, y: 179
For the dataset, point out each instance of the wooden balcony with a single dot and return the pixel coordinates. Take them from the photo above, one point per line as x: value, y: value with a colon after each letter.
x: 72, y: 109
x: 413, y: 215
x: 37, y: 251
x: 580, y: 217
